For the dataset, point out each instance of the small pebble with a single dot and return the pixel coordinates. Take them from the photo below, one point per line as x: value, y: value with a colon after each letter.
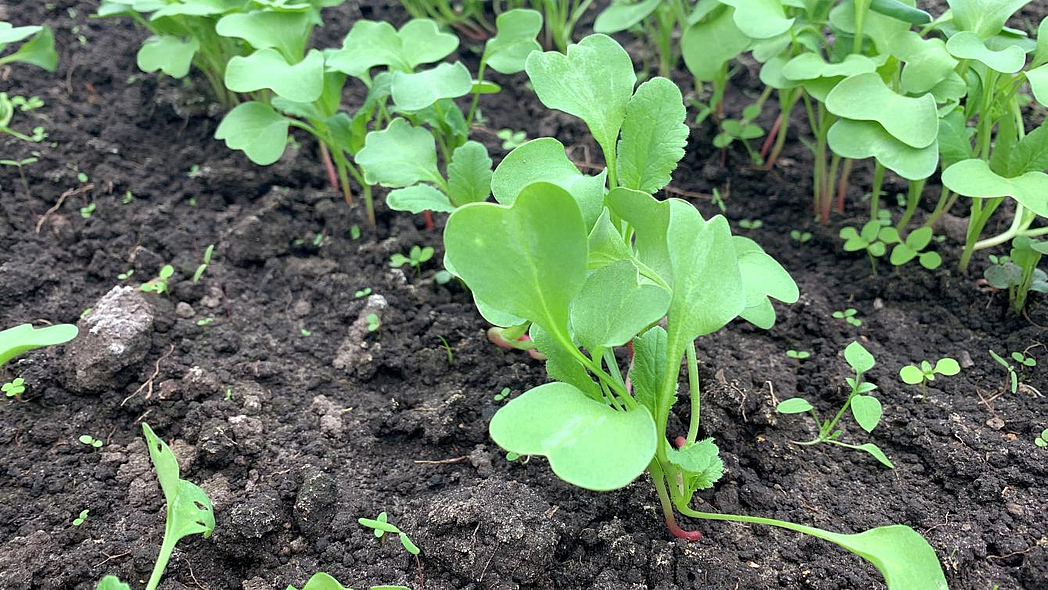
x: 184, y: 310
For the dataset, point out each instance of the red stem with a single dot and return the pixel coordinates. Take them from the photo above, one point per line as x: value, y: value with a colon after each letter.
x: 844, y: 185
x: 428, y: 216
x: 325, y: 156
x: 770, y: 141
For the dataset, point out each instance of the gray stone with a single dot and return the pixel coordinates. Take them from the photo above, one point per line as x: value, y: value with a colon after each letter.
x: 115, y: 336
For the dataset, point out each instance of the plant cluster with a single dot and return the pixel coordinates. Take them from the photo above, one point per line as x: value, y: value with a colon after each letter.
x: 925, y: 372
x: 1020, y: 360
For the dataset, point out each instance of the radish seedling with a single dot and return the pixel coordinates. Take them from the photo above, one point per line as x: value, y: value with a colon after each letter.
x: 189, y: 510
x: 800, y: 237
x: 1013, y: 374
x: 799, y: 355
x: 79, y: 520
x: 416, y: 256
x: 380, y: 526
x: 23, y: 338
x: 925, y: 372
x: 1042, y: 440
x: 158, y: 285
x: 37, y: 46
x: 866, y: 409
x: 584, y: 273
x: 848, y: 315
x: 90, y: 441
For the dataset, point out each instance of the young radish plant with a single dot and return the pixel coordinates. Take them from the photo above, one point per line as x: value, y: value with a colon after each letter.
x: 23, y: 338
x: 865, y: 408
x: 189, y: 510
x: 37, y: 46
x: 324, y: 581
x: 589, y: 273
x: 925, y: 372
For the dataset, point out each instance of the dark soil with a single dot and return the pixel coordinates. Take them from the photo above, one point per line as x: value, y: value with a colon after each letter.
x: 296, y: 421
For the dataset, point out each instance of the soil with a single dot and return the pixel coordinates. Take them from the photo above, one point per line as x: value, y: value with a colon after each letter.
x: 296, y: 420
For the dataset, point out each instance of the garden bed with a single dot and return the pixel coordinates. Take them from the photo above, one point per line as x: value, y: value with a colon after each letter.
x: 297, y: 420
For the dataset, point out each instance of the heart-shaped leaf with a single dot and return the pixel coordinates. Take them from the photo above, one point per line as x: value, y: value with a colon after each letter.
x: 414, y: 92
x: 169, y: 54
x: 469, y: 174
x: 984, y: 18
x: 544, y: 160
x: 865, y: 97
x: 653, y: 136
x: 623, y: 15
x: 593, y: 82
x: 613, y: 306
x: 710, y: 43
x: 287, y: 32
x: 927, y: 61
x: 793, y: 405
x: 400, y: 155
x: 322, y: 581
x: 371, y: 44
x: 867, y: 411
x: 973, y: 178
x: 267, y: 68
x: 866, y: 139
x: 528, y: 259
x: 514, y: 40
x: 257, y: 129
x: 858, y: 357
x: 418, y: 198
x: 588, y: 443
x: 760, y: 19
x: 23, y: 338
x: 968, y: 45
x: 189, y: 510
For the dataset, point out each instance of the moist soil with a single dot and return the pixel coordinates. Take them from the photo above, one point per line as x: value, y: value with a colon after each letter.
x: 296, y: 420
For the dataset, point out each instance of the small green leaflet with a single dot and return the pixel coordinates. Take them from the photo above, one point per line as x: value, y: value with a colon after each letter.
x: 171, y: 55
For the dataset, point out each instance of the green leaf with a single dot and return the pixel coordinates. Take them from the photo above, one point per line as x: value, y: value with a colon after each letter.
x: 112, y: 583
x: 947, y: 366
x: 984, y: 18
x: 370, y: 44
x: 400, y: 156
x: 1038, y: 78
x: 648, y: 370
x: 606, y: 244
x: 901, y: 254
x: 169, y: 54
x: 701, y: 463
x: 877, y: 27
x: 418, y: 198
x: 927, y: 61
x: 544, y: 160
x: 867, y: 139
x: 12, y: 34
x: 653, y: 136
x: 267, y: 68
x: 919, y: 238
x: 867, y: 411
x: 858, y: 357
x: 622, y: 15
x: 613, y: 306
x: 23, y: 338
x: 561, y: 365
x: 911, y: 375
x: 793, y: 405
x: 469, y: 174
x: 760, y: 19
x: 514, y: 40
x: 967, y: 45
x: 929, y: 572
x: 954, y: 142
x: 709, y: 44
x: 930, y: 260
x: 762, y: 278
x: 189, y: 510
x: 811, y: 66
x: 38, y: 51
x: 593, y: 82
x: 901, y: 11
x: 287, y: 32
x: 257, y: 129
x: 414, y: 92
x: 588, y: 444
x: 1031, y: 153
x: 973, y: 178
x: 321, y: 581
x: 528, y: 259
x: 865, y: 97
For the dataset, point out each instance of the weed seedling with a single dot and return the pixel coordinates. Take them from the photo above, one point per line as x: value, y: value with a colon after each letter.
x: 354, y: 232
x: 798, y: 354
x: 447, y: 349
x: 203, y: 265
x: 324, y: 581
x: 866, y: 409
x: 204, y: 322
x: 362, y: 293
x: 21, y: 164
x: 305, y: 332
x: 502, y: 394
x: 751, y: 224
x: 925, y: 372
x: 1042, y: 440
x: 848, y: 315
x: 90, y: 441
x: 1013, y: 373
x: 14, y: 388
x: 873, y: 239
x: 159, y: 284
x: 381, y: 526
x: 88, y: 211
x: 87, y: 311
x: 79, y: 520
x: 373, y: 322
x: 800, y: 237
x: 126, y: 274
x: 511, y: 140
x: 415, y: 258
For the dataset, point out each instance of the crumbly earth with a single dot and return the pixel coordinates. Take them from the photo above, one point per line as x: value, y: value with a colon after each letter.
x: 296, y: 420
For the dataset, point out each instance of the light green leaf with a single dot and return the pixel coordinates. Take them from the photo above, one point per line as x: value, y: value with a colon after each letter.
x: 810, y: 66
x: 321, y: 581
x: 469, y: 174
x: 613, y: 306
x: 189, y: 510
x: 867, y: 411
x: 947, y: 366
x: 562, y: 366
x: 901, y: 11
x: 653, y: 136
x: 858, y: 357
x: 191, y: 8
x: 593, y: 82
x: 793, y: 405
x: 762, y: 278
x: 984, y: 18
x: 12, y: 34
x: 622, y: 15
x: 760, y: 19
x: 878, y: 27
x: 528, y: 259
x: 168, y: 54
x: 414, y: 92
x: 1038, y: 78
x: 588, y: 443
x: 38, y: 51
x: 927, y: 567
x: 256, y: 129
x: 927, y: 61
x: 709, y: 44
x: 514, y: 40
x: 287, y: 32
x: 866, y: 139
x: 544, y: 160
x: 973, y: 178
x: 865, y: 97
x: 701, y: 463
x: 267, y: 68
x: 649, y: 366
x: 606, y: 244
x: 371, y: 44
x: 111, y: 583
x: 24, y: 337
x: 771, y: 74
x: 401, y: 155
x: 967, y: 45
x: 954, y: 140
x: 911, y: 375
x: 418, y: 198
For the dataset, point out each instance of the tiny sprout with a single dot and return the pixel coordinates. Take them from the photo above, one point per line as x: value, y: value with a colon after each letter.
x: 126, y: 275
x: 1042, y: 440
x: 511, y: 456
x: 14, y: 388
x: 718, y: 200
x: 203, y: 266
x: 79, y: 175
x: 381, y: 526
x: 128, y: 197
x: 306, y: 332
x: 90, y: 441
x: 205, y: 321
x: 86, y: 312
x: 362, y: 293
x: 442, y: 277
x: 354, y: 232
x: 159, y: 284
x: 79, y: 520
x: 502, y: 394
x: 848, y: 315
x: 511, y: 139
x: 447, y: 349
x: 416, y: 256
x: 194, y: 171
x: 798, y: 354
x: 229, y: 394
x: 373, y: 322
x: 799, y: 236
x: 925, y: 372
x: 1013, y: 374
x: 751, y: 223
x: 88, y: 211
x: 318, y: 240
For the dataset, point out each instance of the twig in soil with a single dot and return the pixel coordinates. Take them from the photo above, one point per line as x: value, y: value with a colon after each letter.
x: 441, y: 461
x: 1033, y: 322
x: 69, y: 75
x: 110, y: 558
x: 61, y: 199
x: 149, y: 382
x: 945, y: 522
x: 484, y: 571
x: 191, y: 575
